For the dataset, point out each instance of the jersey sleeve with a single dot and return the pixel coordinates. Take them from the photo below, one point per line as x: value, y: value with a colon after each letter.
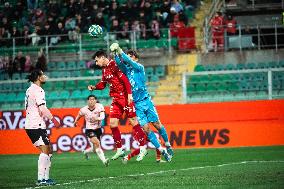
x: 132, y: 63
x: 101, y: 84
x: 102, y: 109
x: 40, y: 98
x: 120, y: 64
x: 82, y: 112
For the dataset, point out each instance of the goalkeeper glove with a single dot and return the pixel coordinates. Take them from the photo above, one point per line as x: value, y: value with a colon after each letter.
x: 115, y: 48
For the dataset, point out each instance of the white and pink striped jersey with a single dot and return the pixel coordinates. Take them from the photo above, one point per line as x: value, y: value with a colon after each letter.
x: 35, y: 97
x: 93, y: 117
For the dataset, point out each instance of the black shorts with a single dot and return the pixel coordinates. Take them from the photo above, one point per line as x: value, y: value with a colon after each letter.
x: 94, y: 133
x: 38, y: 136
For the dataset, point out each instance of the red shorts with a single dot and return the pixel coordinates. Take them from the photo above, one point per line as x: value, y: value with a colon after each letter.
x: 120, y: 105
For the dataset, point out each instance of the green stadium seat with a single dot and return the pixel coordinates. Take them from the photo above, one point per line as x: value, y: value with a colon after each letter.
x: 75, y: 73
x: 7, y: 87
x: 65, y: 74
x: 81, y: 103
x: 76, y: 94
x: 273, y: 64
x: 200, y: 87
x: 70, y: 85
x: 53, y: 95
x: 20, y: 97
x: 81, y: 65
x: 48, y: 85
x: 199, y: 68
x: 82, y: 84
x: 70, y: 103
x: 61, y: 66
x: 17, y: 106
x: 219, y: 67
x: 160, y: 71
x: 149, y: 71
x: 16, y: 76
x: 71, y: 65
x: 241, y: 66
x: 88, y: 73
x: 233, y: 87
x: 64, y: 94
x: 10, y: 97
x: 98, y: 72
x: 24, y: 76
x: 17, y: 86
x: 3, y: 97
x: 86, y: 93
x: 230, y: 67
x: 262, y: 65
x: 55, y: 74
x: 251, y: 65
x: 59, y: 85
x: 208, y: 67
x: 51, y: 65
x: 154, y: 78
x: 57, y: 104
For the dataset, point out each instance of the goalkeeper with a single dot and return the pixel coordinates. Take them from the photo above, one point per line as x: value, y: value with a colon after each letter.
x: 145, y: 109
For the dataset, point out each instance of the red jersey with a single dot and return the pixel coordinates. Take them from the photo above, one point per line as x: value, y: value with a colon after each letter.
x: 217, y: 24
x: 231, y: 26
x: 119, y: 84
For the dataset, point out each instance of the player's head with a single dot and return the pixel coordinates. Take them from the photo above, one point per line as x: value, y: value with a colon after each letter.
x: 100, y: 58
x: 37, y: 76
x: 133, y: 55
x: 92, y: 100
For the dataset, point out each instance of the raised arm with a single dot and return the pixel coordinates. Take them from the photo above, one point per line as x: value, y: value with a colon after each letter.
x: 132, y: 63
x: 120, y: 64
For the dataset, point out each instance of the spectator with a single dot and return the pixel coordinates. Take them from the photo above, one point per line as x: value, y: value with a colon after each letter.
x: 136, y: 28
x: 217, y: 27
x: 176, y: 6
x: 3, y: 37
x: 26, y: 33
x: 35, y: 36
x: 19, y: 62
x: 15, y: 34
x: 125, y: 30
x: 32, y: 4
x: 231, y: 25
x: 115, y: 27
x: 155, y: 29
x: 60, y: 31
x: 143, y: 29
x: 176, y: 25
x: 28, y: 64
x: 99, y: 20
x: 41, y: 61
x: 10, y: 67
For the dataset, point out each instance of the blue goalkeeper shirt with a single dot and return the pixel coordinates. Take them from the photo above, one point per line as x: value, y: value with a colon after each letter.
x: 136, y: 76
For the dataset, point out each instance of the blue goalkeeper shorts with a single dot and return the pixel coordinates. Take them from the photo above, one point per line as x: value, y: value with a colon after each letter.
x: 146, y: 112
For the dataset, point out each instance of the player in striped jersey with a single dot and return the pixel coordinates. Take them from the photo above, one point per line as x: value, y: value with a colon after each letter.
x: 94, y: 113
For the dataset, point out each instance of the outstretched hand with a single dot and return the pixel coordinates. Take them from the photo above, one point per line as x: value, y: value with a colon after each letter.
x: 115, y: 48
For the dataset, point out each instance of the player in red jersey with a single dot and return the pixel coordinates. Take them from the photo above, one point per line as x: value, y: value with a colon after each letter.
x: 120, y: 91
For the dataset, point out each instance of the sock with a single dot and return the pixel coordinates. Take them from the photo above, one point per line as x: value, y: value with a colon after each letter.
x: 139, y: 135
x: 116, y: 137
x: 46, y: 173
x: 101, y: 154
x: 133, y: 153
x: 88, y: 150
x: 158, y: 154
x: 164, y: 135
x: 152, y: 137
x: 43, y: 162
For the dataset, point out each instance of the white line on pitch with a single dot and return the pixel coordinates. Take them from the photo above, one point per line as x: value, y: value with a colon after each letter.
x: 165, y: 171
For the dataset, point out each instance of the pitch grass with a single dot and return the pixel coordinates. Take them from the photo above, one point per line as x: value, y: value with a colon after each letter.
x: 263, y: 168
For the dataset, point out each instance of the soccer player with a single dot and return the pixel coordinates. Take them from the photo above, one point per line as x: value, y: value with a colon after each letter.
x: 94, y: 113
x: 146, y: 111
x: 120, y: 91
x: 35, y: 127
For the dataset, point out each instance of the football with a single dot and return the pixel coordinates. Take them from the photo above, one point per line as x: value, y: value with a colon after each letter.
x: 95, y: 30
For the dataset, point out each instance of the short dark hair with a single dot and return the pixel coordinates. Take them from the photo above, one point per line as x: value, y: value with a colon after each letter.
x: 91, y: 95
x: 34, y: 75
x: 99, y: 54
x: 133, y: 53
